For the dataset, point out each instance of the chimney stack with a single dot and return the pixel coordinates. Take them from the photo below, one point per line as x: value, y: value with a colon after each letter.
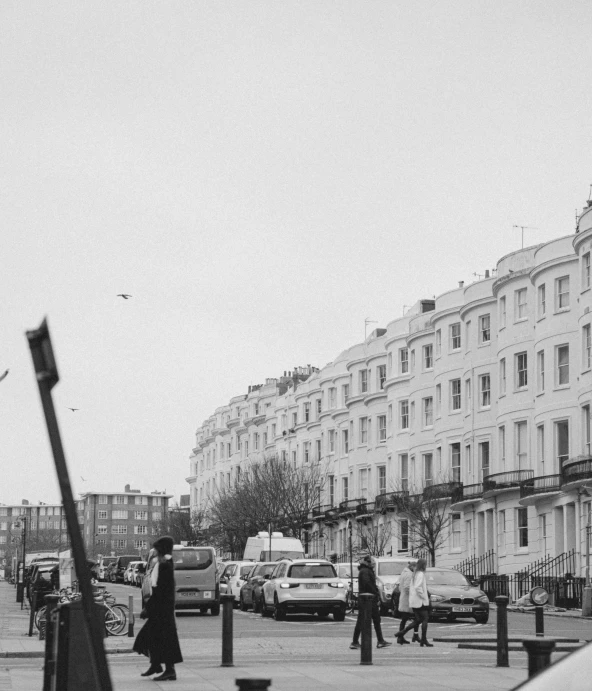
x: 461, y: 284
x: 127, y: 488
x: 486, y: 273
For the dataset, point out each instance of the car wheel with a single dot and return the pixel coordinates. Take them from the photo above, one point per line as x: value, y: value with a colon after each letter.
x: 279, y: 611
x: 482, y: 618
x: 339, y: 615
x: 255, y: 605
x: 263, y: 608
x: 243, y: 606
x: 215, y: 610
x: 323, y: 613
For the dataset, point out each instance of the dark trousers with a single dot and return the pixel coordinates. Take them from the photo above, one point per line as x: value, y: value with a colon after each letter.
x: 375, y: 621
x: 405, y: 617
x: 422, y: 615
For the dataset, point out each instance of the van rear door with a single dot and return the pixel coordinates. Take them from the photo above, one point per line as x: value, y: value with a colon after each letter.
x: 196, y: 579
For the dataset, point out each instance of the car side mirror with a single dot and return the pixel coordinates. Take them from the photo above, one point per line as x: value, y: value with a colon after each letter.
x: 266, y: 577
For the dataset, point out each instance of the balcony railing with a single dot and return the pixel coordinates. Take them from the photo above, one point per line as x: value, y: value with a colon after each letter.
x: 319, y: 511
x: 509, y: 480
x: 467, y: 493
x: 350, y: 506
x: 366, y: 508
x: 441, y: 491
x: 389, y: 500
x: 332, y: 515
x: 540, y: 485
x: 575, y: 469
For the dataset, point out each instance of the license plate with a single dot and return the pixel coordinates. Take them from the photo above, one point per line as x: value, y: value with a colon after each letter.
x: 314, y: 585
x: 462, y: 609
x: 188, y: 594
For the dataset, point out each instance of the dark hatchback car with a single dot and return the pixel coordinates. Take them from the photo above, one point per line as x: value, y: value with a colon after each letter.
x: 118, y: 567
x: 250, y: 593
x: 452, y: 597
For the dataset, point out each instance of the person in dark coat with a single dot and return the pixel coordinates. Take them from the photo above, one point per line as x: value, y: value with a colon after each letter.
x: 158, y: 638
x: 367, y: 584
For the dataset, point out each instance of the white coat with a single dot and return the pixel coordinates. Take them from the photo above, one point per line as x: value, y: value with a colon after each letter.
x: 418, y: 591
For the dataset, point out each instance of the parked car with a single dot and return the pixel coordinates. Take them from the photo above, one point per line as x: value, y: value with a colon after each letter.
x: 343, y: 571
x: 234, y: 576
x: 129, y: 573
x: 250, y: 593
x: 103, y: 566
x: 388, y: 571
x: 452, y: 596
x: 196, y: 579
x: 138, y: 573
x: 303, y: 585
x: 118, y: 568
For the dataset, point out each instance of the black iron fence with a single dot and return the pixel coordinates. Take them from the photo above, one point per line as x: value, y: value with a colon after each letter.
x: 476, y: 567
x: 563, y: 592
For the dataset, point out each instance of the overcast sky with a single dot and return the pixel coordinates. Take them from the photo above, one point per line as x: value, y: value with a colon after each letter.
x: 261, y: 177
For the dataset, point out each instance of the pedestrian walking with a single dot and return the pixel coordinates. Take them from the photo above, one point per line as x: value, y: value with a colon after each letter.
x: 158, y: 638
x: 419, y: 600
x: 404, y: 607
x: 367, y: 584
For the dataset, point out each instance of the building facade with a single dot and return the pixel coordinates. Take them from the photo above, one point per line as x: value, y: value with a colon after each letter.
x: 111, y: 523
x: 482, y: 395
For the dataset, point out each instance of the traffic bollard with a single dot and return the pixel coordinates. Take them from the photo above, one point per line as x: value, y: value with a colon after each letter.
x: 539, y: 621
x: 32, y: 612
x: 365, y: 614
x: 227, y: 613
x: 130, y: 628
x: 51, y: 602
x: 539, y: 654
x: 502, y: 631
x: 253, y: 684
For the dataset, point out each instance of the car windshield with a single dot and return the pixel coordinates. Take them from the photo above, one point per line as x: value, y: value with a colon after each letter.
x: 391, y: 568
x: 344, y: 571
x: 445, y: 578
x: 245, y: 570
x: 194, y: 559
x: 265, y: 569
x: 311, y: 571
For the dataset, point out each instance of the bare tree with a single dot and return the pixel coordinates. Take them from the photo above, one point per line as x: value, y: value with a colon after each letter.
x: 372, y: 535
x: 183, y: 526
x: 268, y: 492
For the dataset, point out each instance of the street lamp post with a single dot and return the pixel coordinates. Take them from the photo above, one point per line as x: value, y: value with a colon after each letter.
x: 351, y: 560
x: 20, y: 587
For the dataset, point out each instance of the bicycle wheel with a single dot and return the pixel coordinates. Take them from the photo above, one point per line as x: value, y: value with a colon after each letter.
x: 40, y: 615
x: 116, y: 619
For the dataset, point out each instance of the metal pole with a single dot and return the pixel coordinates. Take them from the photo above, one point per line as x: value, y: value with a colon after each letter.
x: 588, y: 529
x: 227, y: 613
x: 539, y: 654
x: 502, y: 631
x: 47, y: 377
x: 351, y: 564
x: 130, y: 629
x: 253, y: 684
x: 48, y: 668
x: 539, y: 620
x: 365, y: 615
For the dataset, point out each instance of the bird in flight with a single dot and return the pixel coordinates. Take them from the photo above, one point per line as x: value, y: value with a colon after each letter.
x: 125, y: 296
x: 73, y: 409
x: 83, y: 480
x: 4, y: 375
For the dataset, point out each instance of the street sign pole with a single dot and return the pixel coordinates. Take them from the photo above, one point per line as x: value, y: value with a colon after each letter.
x: 47, y: 377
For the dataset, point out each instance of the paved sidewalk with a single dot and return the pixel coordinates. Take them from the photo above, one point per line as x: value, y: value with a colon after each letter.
x: 293, y: 664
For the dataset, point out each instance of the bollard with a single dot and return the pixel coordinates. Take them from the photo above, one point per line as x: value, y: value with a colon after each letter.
x: 48, y: 668
x: 32, y: 613
x: 539, y: 620
x: 253, y: 684
x: 365, y: 614
x: 587, y: 602
x: 227, y: 613
x: 130, y: 628
x: 539, y: 654
x: 502, y: 631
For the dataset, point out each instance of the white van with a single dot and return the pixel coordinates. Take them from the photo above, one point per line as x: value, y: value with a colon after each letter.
x: 266, y: 548
x: 196, y: 579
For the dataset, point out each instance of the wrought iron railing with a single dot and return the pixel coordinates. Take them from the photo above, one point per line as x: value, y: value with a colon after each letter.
x: 319, y: 511
x: 467, y: 492
x: 477, y: 566
x: 540, y: 485
x: 390, y: 500
x: 350, y: 506
x: 509, y: 480
x: 576, y: 469
x: 366, y: 508
x: 441, y: 491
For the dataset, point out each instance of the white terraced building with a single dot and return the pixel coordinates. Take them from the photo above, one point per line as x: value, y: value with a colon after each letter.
x: 484, y: 392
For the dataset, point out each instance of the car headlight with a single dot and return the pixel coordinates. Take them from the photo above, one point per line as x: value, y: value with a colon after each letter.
x: 437, y: 598
x: 483, y: 598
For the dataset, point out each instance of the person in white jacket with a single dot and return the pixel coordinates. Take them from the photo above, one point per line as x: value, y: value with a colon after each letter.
x: 403, y: 607
x: 419, y: 600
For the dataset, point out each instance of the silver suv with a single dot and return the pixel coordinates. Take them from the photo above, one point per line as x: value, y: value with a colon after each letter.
x: 303, y: 585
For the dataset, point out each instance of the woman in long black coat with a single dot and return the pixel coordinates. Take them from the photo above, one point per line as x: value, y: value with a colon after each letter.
x: 158, y: 638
